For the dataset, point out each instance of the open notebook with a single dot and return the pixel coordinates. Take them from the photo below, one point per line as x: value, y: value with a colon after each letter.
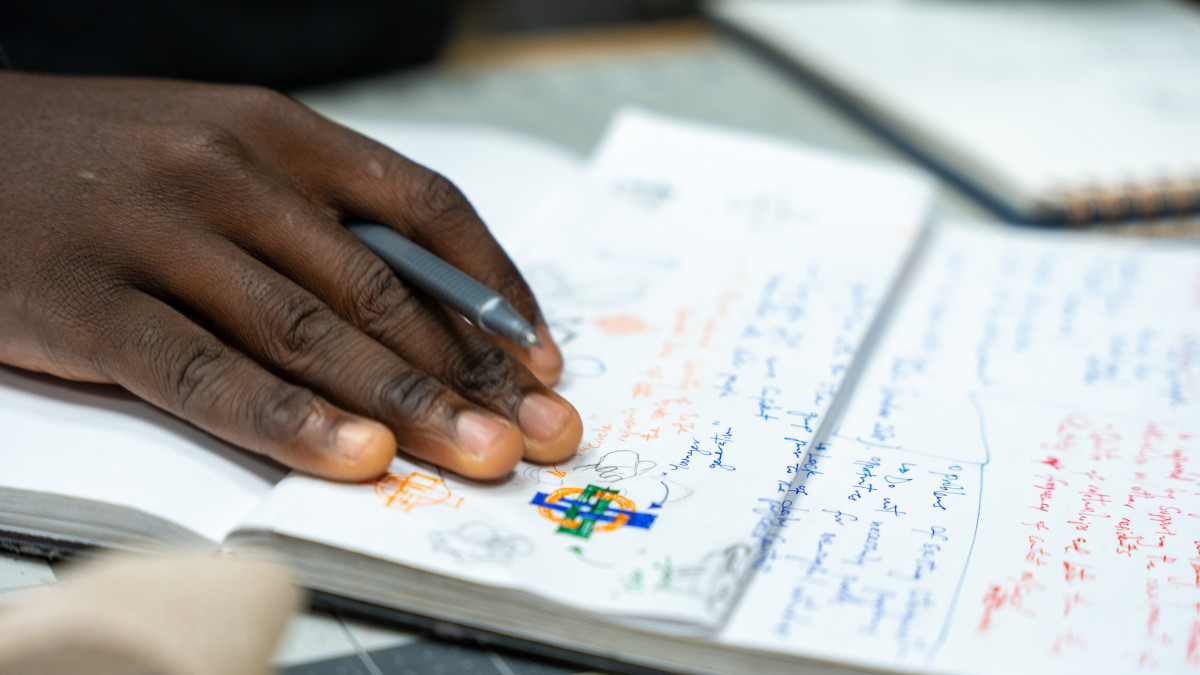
x: 1051, y: 111
x: 143, y: 477
x: 732, y: 509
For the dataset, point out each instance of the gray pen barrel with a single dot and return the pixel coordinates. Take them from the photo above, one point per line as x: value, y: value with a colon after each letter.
x: 481, y: 305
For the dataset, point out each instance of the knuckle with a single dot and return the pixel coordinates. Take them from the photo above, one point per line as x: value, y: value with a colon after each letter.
x: 198, y: 365
x: 282, y: 411
x: 438, y: 200
x: 200, y: 145
x: 486, y: 373
x: 396, y: 314
x: 512, y: 286
x: 257, y: 99
x: 304, y: 326
x: 413, y: 396
x: 262, y: 107
x: 375, y: 297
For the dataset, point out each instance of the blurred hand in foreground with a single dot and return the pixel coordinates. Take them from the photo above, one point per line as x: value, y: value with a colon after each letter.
x: 184, y: 241
x: 183, y: 614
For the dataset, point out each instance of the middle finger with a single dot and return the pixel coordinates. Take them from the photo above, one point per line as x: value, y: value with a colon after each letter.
x: 326, y: 259
x: 299, y: 337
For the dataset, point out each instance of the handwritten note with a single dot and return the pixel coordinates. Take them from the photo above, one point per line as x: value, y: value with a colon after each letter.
x: 709, y: 291
x: 1008, y: 485
x: 1014, y: 486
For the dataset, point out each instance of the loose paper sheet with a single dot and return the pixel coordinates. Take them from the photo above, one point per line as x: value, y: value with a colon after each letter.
x: 1014, y: 485
x: 709, y: 290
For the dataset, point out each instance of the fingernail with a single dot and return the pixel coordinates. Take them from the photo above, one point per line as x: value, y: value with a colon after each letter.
x: 358, y: 438
x: 541, y: 418
x: 545, y: 356
x: 478, y: 433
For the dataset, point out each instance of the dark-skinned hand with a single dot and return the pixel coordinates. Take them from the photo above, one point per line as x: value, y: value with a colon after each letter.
x: 184, y: 241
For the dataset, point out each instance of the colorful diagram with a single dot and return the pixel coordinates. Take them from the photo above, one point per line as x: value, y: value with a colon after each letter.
x: 580, y: 511
x: 407, y: 491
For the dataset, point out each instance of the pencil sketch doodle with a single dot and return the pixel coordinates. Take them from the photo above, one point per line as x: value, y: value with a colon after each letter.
x: 715, y: 578
x: 645, y: 194
x: 612, y: 467
x: 477, y: 542
x: 771, y: 211
x: 583, y: 557
x: 719, y: 574
x: 616, y: 466
x: 620, y: 289
x: 564, y: 328
x: 544, y: 475
x: 673, y: 492
x: 581, y: 365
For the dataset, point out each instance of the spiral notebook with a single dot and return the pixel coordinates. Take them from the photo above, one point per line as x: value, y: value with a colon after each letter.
x: 1049, y: 112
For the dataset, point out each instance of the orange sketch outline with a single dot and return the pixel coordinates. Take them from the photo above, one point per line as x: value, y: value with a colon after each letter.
x: 406, y: 491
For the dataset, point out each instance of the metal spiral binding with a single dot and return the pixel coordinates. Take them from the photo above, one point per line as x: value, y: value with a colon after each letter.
x: 1129, y: 201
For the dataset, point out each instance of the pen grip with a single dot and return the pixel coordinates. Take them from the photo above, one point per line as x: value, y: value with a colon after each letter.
x: 447, y: 284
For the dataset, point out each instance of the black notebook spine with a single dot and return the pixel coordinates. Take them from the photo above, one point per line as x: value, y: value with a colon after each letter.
x: 44, y: 548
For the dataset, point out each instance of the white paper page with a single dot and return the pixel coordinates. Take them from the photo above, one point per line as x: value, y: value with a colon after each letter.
x: 1045, y: 94
x: 1014, y: 487
x: 99, y: 443
x: 507, y: 176
x: 102, y: 444
x: 708, y: 289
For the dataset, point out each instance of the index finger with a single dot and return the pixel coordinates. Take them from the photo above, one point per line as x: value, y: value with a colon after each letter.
x: 360, y: 178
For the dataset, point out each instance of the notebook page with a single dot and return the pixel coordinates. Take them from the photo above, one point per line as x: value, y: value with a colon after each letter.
x: 1014, y: 486
x: 100, y: 443
x: 1032, y: 96
x: 708, y: 289
x: 483, y: 162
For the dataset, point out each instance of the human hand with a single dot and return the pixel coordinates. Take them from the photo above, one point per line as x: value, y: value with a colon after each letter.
x: 184, y: 241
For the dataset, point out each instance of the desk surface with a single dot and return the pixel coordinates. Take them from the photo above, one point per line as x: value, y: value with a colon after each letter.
x: 565, y: 87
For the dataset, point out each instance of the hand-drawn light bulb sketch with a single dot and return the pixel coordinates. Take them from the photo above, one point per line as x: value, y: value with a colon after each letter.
x: 611, y: 467
x: 478, y: 542
x: 616, y: 466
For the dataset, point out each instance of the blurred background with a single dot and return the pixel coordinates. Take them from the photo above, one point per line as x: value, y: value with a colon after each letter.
x: 558, y: 70
x: 526, y: 16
